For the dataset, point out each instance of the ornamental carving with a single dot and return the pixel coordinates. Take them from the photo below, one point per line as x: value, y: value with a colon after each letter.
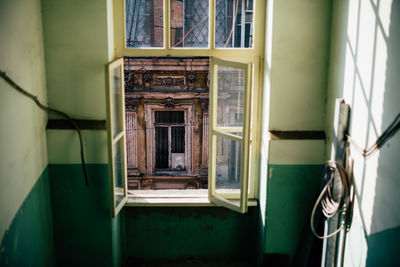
x: 204, y: 105
x: 169, y: 80
x: 169, y: 102
x: 191, y: 77
x: 131, y: 104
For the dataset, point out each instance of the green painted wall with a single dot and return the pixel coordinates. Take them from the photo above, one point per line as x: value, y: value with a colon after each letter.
x: 85, y: 234
x: 77, y: 47
x: 29, y: 238
x: 189, y: 232
x: 365, y: 63
x: 291, y: 193
x: 23, y: 151
x: 296, y: 65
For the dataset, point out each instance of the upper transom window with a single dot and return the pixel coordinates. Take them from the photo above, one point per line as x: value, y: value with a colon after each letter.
x: 189, y: 23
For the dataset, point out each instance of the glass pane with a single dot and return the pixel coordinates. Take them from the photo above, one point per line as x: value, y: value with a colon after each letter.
x: 178, y: 139
x: 162, y: 154
x: 119, y: 171
x: 144, y: 23
x: 169, y: 117
x: 228, y: 165
x: 230, y: 97
x: 116, y: 101
x: 189, y: 23
x: 234, y: 24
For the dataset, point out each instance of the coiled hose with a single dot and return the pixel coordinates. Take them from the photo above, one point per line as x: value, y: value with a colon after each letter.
x: 333, y: 198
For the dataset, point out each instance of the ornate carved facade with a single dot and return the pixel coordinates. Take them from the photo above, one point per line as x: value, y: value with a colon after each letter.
x: 166, y: 102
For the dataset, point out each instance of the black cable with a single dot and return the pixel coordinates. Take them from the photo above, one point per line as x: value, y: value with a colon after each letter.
x: 48, y: 109
x: 390, y: 131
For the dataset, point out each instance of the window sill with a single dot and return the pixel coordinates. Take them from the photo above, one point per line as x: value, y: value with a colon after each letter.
x: 172, y: 198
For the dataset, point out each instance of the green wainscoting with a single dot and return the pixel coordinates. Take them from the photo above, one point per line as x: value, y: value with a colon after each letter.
x: 191, y: 232
x: 84, y: 232
x: 29, y: 239
x: 291, y: 193
x: 383, y: 248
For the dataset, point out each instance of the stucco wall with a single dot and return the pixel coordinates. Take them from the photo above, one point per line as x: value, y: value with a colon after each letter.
x: 365, y: 62
x: 23, y: 150
x: 295, y: 81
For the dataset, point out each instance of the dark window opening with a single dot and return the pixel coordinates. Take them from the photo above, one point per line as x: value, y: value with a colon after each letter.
x: 170, y: 140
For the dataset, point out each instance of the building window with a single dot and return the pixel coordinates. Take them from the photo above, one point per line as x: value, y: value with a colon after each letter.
x: 170, y: 140
x: 189, y: 23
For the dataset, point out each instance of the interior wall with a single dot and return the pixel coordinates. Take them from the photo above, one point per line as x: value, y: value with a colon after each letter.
x: 365, y: 62
x: 77, y: 48
x: 24, y: 192
x: 296, y: 71
x: 299, y: 64
x: 176, y: 233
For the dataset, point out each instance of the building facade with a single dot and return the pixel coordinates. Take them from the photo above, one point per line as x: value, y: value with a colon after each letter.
x: 166, y: 102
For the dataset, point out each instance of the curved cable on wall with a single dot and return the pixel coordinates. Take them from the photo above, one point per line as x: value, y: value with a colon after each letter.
x: 48, y: 109
x: 385, y: 136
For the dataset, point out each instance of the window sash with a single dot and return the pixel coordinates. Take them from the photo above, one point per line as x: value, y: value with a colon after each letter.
x: 114, y: 139
x: 224, y: 199
x: 211, y: 50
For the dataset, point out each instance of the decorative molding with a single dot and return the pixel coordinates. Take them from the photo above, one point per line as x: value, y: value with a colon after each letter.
x: 131, y: 104
x: 191, y: 77
x: 150, y: 80
x: 204, y: 105
x: 169, y: 102
x: 168, y: 80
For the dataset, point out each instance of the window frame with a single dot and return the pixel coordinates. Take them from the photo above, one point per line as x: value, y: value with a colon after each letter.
x: 114, y: 139
x: 225, y: 199
x: 253, y: 55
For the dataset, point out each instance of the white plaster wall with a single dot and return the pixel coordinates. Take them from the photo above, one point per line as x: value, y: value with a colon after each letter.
x: 299, y: 64
x: 23, y: 152
x: 78, y: 45
x: 365, y: 64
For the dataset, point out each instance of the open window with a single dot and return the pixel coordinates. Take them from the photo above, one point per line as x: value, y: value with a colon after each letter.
x: 230, y: 133
x: 116, y: 135
x: 165, y: 134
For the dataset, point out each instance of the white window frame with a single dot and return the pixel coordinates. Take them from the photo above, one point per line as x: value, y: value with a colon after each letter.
x: 114, y: 138
x: 252, y: 56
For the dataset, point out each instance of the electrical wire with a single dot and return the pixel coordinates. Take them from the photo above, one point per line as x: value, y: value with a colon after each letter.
x: 330, y: 205
x: 390, y: 131
x: 48, y: 109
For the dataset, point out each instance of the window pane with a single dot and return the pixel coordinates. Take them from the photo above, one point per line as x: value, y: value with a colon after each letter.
x: 116, y: 101
x: 228, y: 165
x: 234, y: 24
x: 162, y: 155
x: 189, y: 23
x: 178, y: 139
x: 230, y: 97
x: 169, y: 117
x: 144, y: 23
x: 119, y: 171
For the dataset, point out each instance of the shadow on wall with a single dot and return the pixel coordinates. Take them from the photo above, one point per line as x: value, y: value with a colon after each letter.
x: 365, y: 67
x: 383, y: 242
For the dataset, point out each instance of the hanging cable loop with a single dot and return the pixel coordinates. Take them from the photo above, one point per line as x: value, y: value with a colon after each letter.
x: 333, y: 198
